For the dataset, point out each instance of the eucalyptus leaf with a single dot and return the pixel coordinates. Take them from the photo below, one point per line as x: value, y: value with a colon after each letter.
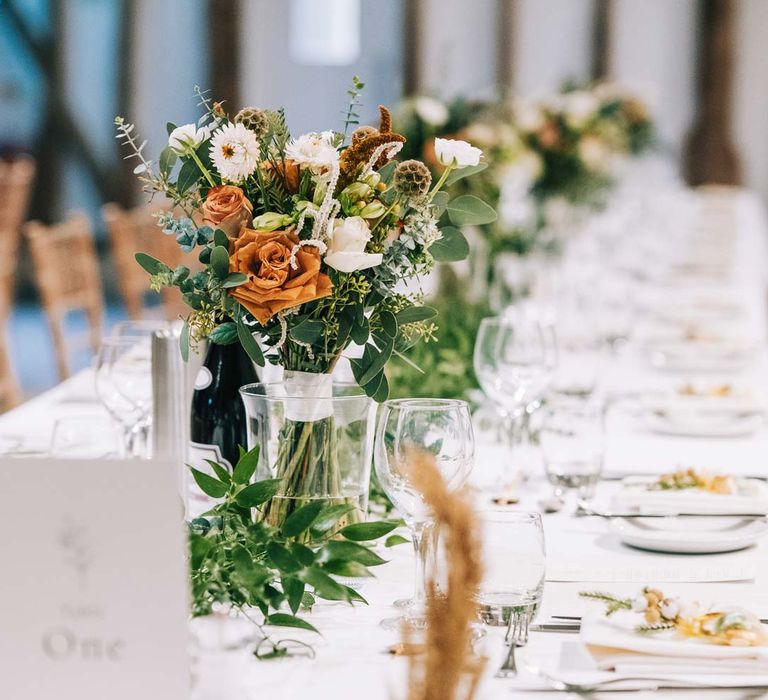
x: 440, y: 203
x: 361, y: 331
x: 451, y: 247
x: 220, y: 238
x: 152, y: 265
x: 380, y: 358
x: 388, y: 323
x: 184, y: 342
x: 220, y: 262
x: 234, y: 279
x: 188, y: 176
x: 307, y: 331
x: 167, y: 160
x: 468, y: 210
x: 460, y: 173
x: 414, y: 314
x: 249, y: 343
x: 382, y: 391
x: 225, y: 334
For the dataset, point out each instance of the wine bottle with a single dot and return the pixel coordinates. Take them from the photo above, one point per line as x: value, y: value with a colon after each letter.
x: 218, y: 421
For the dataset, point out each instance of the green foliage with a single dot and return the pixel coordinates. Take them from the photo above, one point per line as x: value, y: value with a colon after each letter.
x: 240, y: 561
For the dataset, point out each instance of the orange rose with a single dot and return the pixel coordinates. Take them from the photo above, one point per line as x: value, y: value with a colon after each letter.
x: 273, y: 285
x: 289, y: 171
x: 226, y: 207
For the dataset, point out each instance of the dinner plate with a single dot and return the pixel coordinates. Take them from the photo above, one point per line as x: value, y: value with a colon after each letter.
x: 681, y: 423
x: 703, y: 357
x: 689, y: 535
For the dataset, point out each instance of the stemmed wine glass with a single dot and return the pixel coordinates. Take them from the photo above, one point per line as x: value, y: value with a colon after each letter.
x: 443, y: 429
x: 124, y: 386
x: 512, y: 363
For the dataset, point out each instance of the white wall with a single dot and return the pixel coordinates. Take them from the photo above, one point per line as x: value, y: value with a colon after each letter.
x: 314, y: 96
x: 552, y: 44
x: 458, y: 48
x: 653, y: 50
x: 750, y: 130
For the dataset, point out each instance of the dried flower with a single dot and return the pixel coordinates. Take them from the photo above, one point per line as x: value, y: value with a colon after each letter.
x: 412, y: 178
x: 253, y: 119
x: 363, y: 132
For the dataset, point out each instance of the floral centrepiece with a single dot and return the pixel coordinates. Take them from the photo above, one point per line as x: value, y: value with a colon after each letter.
x: 660, y: 613
x: 309, y: 244
x: 684, y: 479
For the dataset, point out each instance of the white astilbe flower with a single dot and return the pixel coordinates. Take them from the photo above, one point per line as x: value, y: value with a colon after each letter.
x: 235, y: 152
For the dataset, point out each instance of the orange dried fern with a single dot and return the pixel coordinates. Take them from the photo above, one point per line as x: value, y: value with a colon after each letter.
x: 448, y: 669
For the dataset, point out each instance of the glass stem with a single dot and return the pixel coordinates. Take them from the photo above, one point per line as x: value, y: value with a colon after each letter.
x: 423, y: 535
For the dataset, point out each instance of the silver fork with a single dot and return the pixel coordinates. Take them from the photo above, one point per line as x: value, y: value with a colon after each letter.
x: 517, y: 636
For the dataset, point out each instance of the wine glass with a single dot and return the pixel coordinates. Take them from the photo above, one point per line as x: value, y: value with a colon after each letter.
x: 512, y: 364
x: 443, y: 429
x: 124, y: 386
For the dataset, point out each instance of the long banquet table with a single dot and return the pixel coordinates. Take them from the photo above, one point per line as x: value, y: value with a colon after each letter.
x: 352, y: 661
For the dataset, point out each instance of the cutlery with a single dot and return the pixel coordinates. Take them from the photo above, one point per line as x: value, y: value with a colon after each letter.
x: 618, y: 476
x: 649, y: 683
x: 568, y: 623
x: 584, y: 511
x: 517, y: 636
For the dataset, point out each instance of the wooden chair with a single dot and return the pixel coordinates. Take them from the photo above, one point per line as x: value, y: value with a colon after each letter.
x: 16, y: 180
x: 136, y: 230
x: 67, y: 273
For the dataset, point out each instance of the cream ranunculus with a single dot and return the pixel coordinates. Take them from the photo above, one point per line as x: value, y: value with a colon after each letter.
x: 186, y: 138
x: 346, y: 246
x: 460, y: 154
x: 317, y: 152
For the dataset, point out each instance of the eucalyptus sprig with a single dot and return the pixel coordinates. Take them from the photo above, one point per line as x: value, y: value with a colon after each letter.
x: 266, y: 573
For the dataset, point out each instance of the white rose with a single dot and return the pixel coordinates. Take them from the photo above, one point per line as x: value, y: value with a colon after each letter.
x: 457, y: 153
x: 640, y: 603
x: 431, y: 111
x: 670, y: 608
x: 579, y: 107
x: 595, y: 153
x: 346, y: 246
x: 186, y: 138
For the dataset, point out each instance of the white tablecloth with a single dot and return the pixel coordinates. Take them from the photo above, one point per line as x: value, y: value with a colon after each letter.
x: 351, y: 655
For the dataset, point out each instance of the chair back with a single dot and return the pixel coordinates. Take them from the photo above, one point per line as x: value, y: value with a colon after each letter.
x: 67, y: 273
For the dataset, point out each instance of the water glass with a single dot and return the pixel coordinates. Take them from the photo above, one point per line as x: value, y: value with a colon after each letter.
x: 84, y: 437
x: 572, y: 444
x: 443, y: 429
x: 514, y: 557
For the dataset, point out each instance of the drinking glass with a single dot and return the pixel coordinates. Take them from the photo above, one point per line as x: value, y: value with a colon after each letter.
x: 124, y: 386
x: 512, y: 364
x: 572, y: 443
x: 84, y: 437
x: 443, y: 429
x: 514, y: 563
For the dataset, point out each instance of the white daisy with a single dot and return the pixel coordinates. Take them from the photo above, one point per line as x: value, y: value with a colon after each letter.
x: 235, y: 152
x: 314, y: 151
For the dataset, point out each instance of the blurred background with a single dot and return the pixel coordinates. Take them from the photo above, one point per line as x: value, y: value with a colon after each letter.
x: 67, y: 67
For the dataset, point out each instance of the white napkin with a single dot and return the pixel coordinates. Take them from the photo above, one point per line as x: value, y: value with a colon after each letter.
x: 751, y: 497
x: 614, y: 645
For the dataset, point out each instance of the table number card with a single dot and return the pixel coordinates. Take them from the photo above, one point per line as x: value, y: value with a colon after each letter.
x: 93, y: 591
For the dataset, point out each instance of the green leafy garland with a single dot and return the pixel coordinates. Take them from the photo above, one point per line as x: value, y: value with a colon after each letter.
x: 241, y: 562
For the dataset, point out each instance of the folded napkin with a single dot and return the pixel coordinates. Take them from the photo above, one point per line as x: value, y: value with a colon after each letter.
x: 614, y: 645
x: 751, y: 497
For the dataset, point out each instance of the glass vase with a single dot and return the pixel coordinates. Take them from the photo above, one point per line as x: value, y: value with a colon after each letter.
x: 317, y: 438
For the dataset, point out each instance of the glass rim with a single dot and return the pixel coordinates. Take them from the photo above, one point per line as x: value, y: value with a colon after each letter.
x: 432, y: 404
x: 249, y: 390
x: 522, y: 516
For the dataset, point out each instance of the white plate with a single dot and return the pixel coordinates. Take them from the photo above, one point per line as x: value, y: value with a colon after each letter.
x: 689, y: 535
x: 703, y: 424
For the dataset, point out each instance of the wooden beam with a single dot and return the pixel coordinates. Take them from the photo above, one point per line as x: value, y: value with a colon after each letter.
x: 413, y: 11
x: 710, y: 156
x: 61, y: 132
x: 601, y: 39
x: 224, y: 31
x: 129, y: 186
x: 505, y: 47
